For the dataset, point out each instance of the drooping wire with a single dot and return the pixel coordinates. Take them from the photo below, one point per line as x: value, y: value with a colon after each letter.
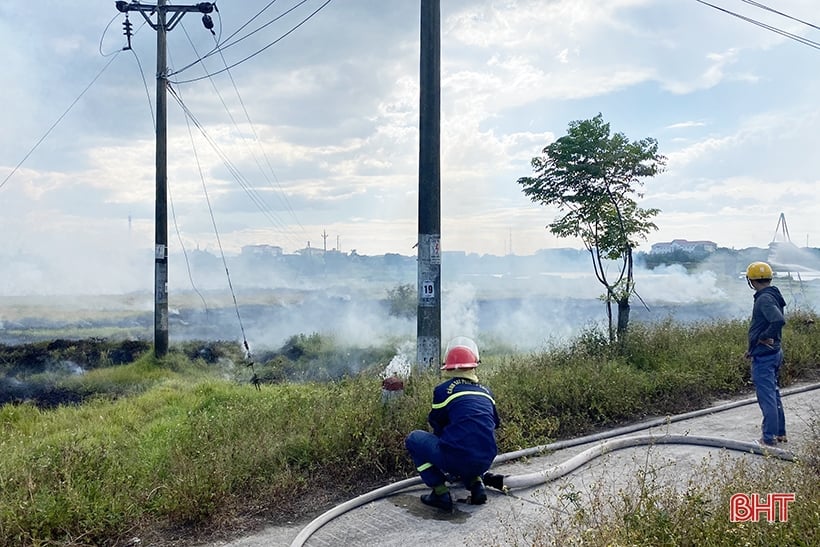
x: 281, y: 192
x: 102, y: 37
x: 145, y: 85
x: 249, y: 357
x: 218, y: 37
x: 259, y: 141
x: 170, y: 194
x: 795, y: 37
x: 57, y: 122
x: 237, y: 175
x: 185, y: 251
x: 252, y: 55
x: 113, y: 55
x: 255, y: 379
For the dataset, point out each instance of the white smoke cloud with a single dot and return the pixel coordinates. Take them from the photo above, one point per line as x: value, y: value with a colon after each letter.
x: 459, y: 311
x: 672, y: 284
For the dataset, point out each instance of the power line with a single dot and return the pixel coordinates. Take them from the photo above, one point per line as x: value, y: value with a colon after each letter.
x: 102, y: 37
x: 221, y: 251
x: 251, y: 56
x: 795, y: 37
x: 57, y: 122
x: 237, y: 175
x: 182, y: 246
x: 223, y: 46
x: 113, y: 56
x: 174, y: 217
x: 786, y: 15
x: 281, y: 193
x: 145, y: 85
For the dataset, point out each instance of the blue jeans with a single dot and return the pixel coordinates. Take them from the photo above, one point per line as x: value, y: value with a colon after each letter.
x: 764, y: 375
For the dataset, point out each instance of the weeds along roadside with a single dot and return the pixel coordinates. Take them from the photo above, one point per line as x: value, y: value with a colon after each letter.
x: 173, y: 444
x: 657, y: 505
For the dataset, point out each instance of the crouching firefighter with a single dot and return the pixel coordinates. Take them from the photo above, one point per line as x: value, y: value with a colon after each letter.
x: 464, y: 418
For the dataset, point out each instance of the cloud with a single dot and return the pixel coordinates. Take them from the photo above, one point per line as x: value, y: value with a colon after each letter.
x: 322, y: 128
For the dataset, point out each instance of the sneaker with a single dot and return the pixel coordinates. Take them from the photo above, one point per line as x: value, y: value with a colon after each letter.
x: 782, y: 439
x: 441, y: 501
x: 478, y: 496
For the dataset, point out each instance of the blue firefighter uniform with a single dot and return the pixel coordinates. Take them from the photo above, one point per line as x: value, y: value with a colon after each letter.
x: 463, y: 444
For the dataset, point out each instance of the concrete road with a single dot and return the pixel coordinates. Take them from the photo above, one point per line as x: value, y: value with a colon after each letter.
x: 400, y: 519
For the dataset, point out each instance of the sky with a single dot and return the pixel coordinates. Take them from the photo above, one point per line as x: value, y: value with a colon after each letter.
x: 311, y: 136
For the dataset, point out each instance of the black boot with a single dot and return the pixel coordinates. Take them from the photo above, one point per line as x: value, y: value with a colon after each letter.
x: 478, y: 496
x: 494, y: 480
x: 442, y: 501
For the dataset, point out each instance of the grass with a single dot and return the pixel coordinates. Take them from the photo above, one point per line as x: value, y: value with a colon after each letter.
x: 176, y: 447
x: 653, y: 509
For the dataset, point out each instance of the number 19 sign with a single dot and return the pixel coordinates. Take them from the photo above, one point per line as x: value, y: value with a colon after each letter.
x: 428, y: 290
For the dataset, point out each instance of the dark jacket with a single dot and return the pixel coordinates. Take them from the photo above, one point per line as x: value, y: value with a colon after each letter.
x: 767, y: 321
x: 464, y: 418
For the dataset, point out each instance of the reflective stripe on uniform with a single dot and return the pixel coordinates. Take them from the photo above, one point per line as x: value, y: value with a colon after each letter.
x: 459, y: 394
x: 424, y: 467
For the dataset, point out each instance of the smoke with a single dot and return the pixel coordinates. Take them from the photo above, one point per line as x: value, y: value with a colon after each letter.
x: 401, y: 363
x: 672, y: 284
x: 39, y: 382
x: 61, y: 270
x: 526, y: 303
x: 786, y: 257
x: 459, y: 311
x: 69, y: 368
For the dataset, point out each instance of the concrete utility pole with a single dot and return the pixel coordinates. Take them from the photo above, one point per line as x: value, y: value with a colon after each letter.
x: 162, y: 26
x: 428, y: 343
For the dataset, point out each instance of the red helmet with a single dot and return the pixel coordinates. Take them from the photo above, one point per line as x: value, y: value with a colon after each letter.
x: 461, y: 352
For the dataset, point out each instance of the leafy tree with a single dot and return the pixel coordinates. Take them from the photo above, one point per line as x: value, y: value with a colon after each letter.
x: 592, y: 178
x: 687, y: 259
x: 403, y: 300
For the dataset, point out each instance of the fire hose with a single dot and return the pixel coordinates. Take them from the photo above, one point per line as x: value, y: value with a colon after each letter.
x: 529, y: 480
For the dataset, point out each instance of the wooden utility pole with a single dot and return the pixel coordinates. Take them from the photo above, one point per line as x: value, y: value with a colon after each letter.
x: 162, y: 26
x: 428, y: 343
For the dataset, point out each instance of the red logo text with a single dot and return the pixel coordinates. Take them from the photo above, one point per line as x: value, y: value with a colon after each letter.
x: 750, y: 507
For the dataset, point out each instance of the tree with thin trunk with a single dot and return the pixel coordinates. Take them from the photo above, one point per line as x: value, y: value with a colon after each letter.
x: 593, y: 178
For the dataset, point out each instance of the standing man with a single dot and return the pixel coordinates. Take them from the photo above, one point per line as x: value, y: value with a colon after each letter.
x: 765, y: 352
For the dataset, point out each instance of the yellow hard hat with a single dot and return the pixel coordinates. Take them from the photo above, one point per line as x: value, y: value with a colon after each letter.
x: 759, y: 270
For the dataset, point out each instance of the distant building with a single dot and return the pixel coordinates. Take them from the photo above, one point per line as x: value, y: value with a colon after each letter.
x: 310, y: 251
x: 262, y: 250
x: 453, y: 254
x: 685, y: 246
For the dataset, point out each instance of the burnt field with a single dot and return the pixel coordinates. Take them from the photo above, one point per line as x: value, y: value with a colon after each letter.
x: 35, y: 372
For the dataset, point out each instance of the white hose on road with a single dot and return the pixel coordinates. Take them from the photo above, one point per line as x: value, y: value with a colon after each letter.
x: 529, y: 480
x: 533, y: 479
x: 559, y: 445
